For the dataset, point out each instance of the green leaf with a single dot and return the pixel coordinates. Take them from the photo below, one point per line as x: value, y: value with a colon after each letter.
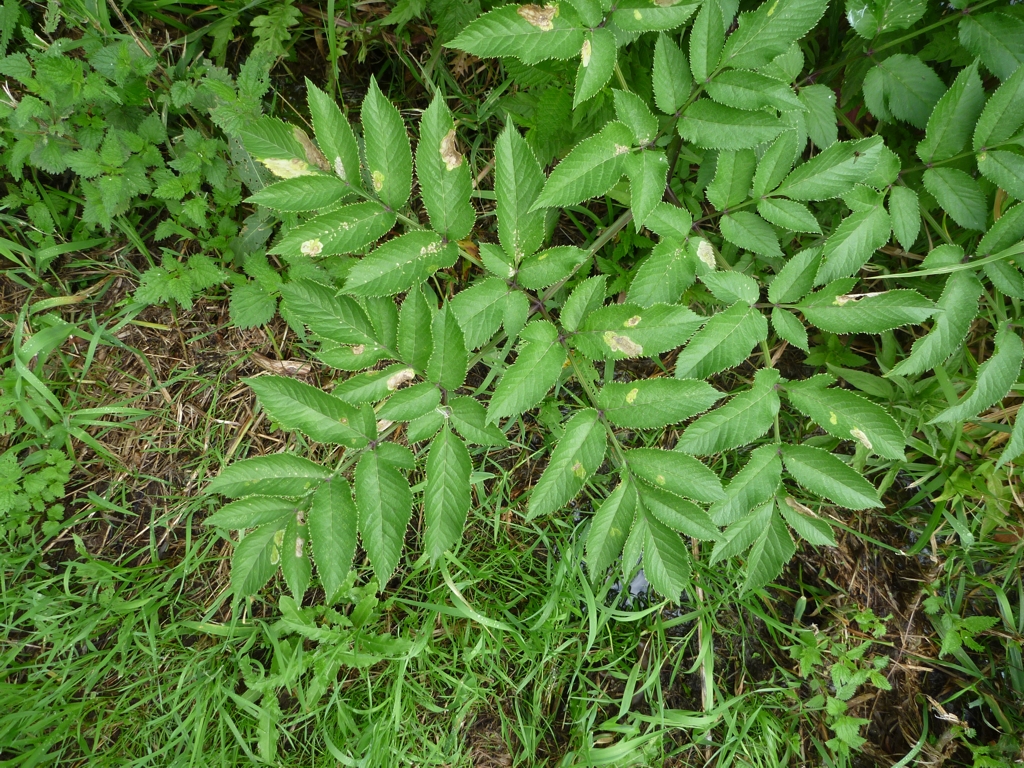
x: 995, y: 378
x: 589, y: 170
x: 548, y: 267
x: 303, y: 193
x: 410, y: 403
x: 295, y: 564
x: 530, y: 32
x: 666, y: 561
x: 724, y: 341
x: 655, y: 403
x: 251, y: 512
x: 866, y: 313
x: 788, y: 327
x: 905, y: 213
x: 1003, y: 114
x: 707, y: 37
x: 767, y: 32
x: 334, y: 317
x: 316, y: 414
x: 997, y: 38
x: 345, y: 230
x: 788, y: 214
x: 251, y: 305
x: 775, y: 163
x: 664, y: 275
x: 822, y: 473
x: 332, y: 530
x: 742, y: 420
x: 280, y: 474
x: 587, y: 296
x: 958, y: 307
x: 752, y: 486
x: 953, y: 119
x: 373, y: 386
x: 576, y: 457
x: 619, y: 331
x: 334, y: 135
x: 671, y: 77
x: 820, y: 103
x: 715, y: 126
x: 1015, y: 447
x: 443, y: 174
x: 811, y: 529
x: 470, y: 420
x: 648, y: 172
x: 591, y: 11
x: 536, y: 369
x: 870, y: 17
x: 357, y: 357
x: 388, y: 153
x: 853, y: 243
x: 1005, y: 169
x: 415, y: 319
x: 959, y: 195
x: 748, y: 90
x: 449, y: 361
x: 743, y: 532
x: 902, y: 88
x: 384, y: 502
x: 446, y: 499
x: 1003, y: 234
x: 750, y: 232
x: 518, y: 181
x: 833, y: 172
x: 597, y: 62
x: 644, y: 16
x: 271, y: 139
x: 796, y: 277
x: 609, y: 528
x: 675, y: 472
x: 678, y: 514
x: 631, y: 110
x: 424, y: 427
x: 256, y: 559
x: 730, y: 287
x: 670, y: 221
x: 734, y: 172
x: 771, y: 551
x: 848, y: 416
x: 480, y: 309
x: 400, y: 264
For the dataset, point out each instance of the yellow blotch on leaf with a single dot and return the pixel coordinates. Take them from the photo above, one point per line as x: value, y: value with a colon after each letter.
x: 631, y: 397
x: 539, y: 17
x: 622, y: 343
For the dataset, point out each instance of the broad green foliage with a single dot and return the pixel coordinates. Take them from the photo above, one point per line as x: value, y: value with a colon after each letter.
x: 772, y: 214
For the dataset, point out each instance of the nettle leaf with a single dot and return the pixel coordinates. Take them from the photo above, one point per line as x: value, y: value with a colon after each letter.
x: 847, y: 416
x: 905, y: 214
x: 671, y: 76
x: 731, y: 287
x: 958, y: 306
x: 446, y: 499
x: 748, y: 90
x: 518, y: 181
x: 587, y: 296
x: 678, y: 514
x: 725, y: 340
x: 303, y: 193
x: 480, y: 309
x: 388, y: 152
x: 822, y: 473
x: 619, y: 331
x: 752, y: 486
x: 449, y: 360
x: 644, y: 16
x: 251, y: 512
x: 531, y: 33
x: 954, y: 117
x: 334, y: 135
x: 345, y: 230
x: 768, y: 31
x: 995, y: 378
x: 548, y: 267
x: 648, y: 174
x: 589, y: 170
x: 796, y: 277
x: 902, y: 88
x: 1003, y: 114
x: 675, y: 472
x: 775, y: 163
x: 327, y: 314
x: 655, y: 403
x: 820, y: 103
x: 634, y: 112
x: 866, y: 313
x: 750, y: 232
x: 295, y: 405
x: 715, y: 126
x: 256, y: 559
x: 332, y: 525
x: 443, y: 174
x: 788, y: 214
x: 734, y: 173
x: 997, y: 38
x: 384, y: 502
x: 666, y: 560
x: 400, y: 264
x: 959, y: 195
x: 771, y: 551
x: 576, y: 457
x: 742, y: 420
x: 853, y: 243
x: 295, y: 563
x: 833, y: 172
x: 280, y: 474
x: 664, y: 275
x: 1004, y: 169
x: 536, y: 369
x: 609, y: 528
x: 415, y: 319
x: 597, y: 62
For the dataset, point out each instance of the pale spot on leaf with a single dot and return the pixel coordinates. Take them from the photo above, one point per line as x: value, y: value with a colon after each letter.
x: 299, y: 544
x: 706, y: 253
x: 358, y: 349
x: 622, y: 343
x: 398, y: 379
x: 383, y: 424
x: 585, y: 53
x: 450, y: 152
x: 637, y: 15
x: 287, y: 169
x: 579, y: 471
x: 378, y: 181
x: 832, y: 418
x: 660, y: 479
x: 861, y: 438
x: 631, y: 397
x: 633, y: 322
x: 539, y: 17
x: 312, y: 247
x: 339, y: 169
x: 313, y: 153
x: 621, y: 149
